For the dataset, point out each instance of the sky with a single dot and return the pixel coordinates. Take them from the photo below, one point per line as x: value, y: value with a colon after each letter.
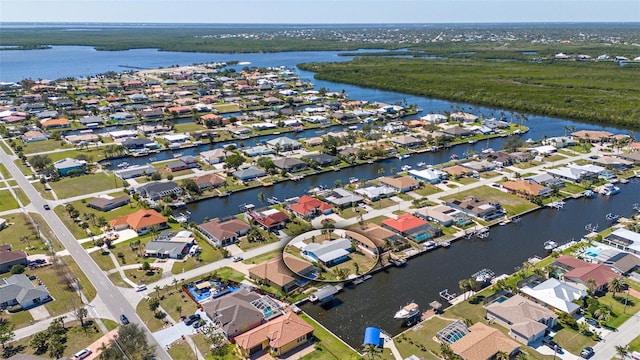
x: 319, y: 11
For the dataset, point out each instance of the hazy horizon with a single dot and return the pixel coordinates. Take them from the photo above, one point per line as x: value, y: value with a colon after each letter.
x: 317, y: 12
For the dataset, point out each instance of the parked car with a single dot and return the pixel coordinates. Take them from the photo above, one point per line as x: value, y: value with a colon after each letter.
x: 192, y: 319
x: 592, y: 322
x: 237, y: 258
x: 141, y: 288
x: 552, y: 344
x: 124, y: 319
x: 587, y: 352
x: 82, y: 354
x: 47, y: 207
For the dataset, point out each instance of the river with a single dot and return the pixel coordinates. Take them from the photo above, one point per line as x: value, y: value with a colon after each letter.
x: 374, y: 302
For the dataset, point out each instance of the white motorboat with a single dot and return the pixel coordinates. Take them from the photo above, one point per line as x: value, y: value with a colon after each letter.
x: 408, y: 311
x: 609, y: 189
x: 550, y: 245
x: 406, y: 167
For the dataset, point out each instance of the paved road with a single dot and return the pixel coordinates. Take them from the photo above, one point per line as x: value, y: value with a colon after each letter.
x: 113, y: 299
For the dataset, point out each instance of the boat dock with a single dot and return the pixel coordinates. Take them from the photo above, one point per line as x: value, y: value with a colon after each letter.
x: 446, y: 295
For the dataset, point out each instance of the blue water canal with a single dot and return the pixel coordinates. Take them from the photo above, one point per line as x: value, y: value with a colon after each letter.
x: 375, y: 301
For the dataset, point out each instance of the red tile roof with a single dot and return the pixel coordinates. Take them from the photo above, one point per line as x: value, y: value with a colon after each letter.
x: 404, y: 223
x: 584, y: 271
x: 279, y: 332
x: 140, y: 219
x: 307, y: 204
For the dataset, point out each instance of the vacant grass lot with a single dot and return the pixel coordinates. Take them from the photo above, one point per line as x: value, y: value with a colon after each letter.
x: 81, y: 206
x: 44, y: 146
x: 328, y: 345
x: 7, y: 201
x: 20, y: 235
x: 74, y: 186
x: 512, y: 203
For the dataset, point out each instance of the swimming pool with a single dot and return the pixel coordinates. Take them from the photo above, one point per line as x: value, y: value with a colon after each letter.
x: 592, y: 252
x: 421, y: 237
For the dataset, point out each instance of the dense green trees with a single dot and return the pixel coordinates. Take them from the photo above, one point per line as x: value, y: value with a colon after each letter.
x: 129, y: 343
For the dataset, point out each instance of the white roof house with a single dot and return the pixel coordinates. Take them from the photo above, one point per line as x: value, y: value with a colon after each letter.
x: 375, y: 192
x: 543, y: 150
x: 430, y: 175
x: 434, y: 118
x: 556, y: 294
x: 176, y: 138
x: 120, y: 134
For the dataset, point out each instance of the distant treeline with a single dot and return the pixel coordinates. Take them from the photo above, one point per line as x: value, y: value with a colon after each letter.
x: 600, y: 92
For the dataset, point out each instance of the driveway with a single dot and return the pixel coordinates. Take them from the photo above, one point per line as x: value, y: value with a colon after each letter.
x: 168, y: 336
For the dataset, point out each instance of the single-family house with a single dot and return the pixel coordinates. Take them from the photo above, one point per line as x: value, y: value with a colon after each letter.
x: 107, y: 203
x: 341, y: 198
x: 55, y: 123
x: 276, y: 273
x: 136, y: 143
x: 248, y: 173
x: 434, y: 118
x: 278, y: 336
x: 527, y: 188
x: 156, y: 190
x: 624, y: 239
x: 121, y: 116
x: 235, y: 313
x: 483, y: 342
x: 581, y: 273
x: 546, y: 180
x: 457, y: 171
x: 429, y: 175
x: 224, y: 232
x: 284, y: 143
x: 19, y: 290
x: 380, y: 236
x: 209, y: 181
x: 70, y: 166
x: 214, y: 156
x: 457, y: 131
x: 309, y: 207
x: 479, y: 208
x: 400, y: 183
x: 329, y: 252
x: 463, y: 117
x: 499, y: 158
x: 375, y: 192
x: 290, y: 164
x: 479, y: 166
x: 592, y: 135
x: 171, y: 245
x: 135, y: 171
x: 9, y: 258
x: 323, y: 159
x: 269, y: 219
x: 556, y: 294
x: 258, y: 150
x: 441, y: 214
x: 32, y: 136
x: 142, y: 221
x: 527, y: 321
x: 413, y: 227
x: 407, y: 141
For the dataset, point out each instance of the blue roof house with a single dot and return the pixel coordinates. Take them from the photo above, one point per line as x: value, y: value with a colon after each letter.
x: 328, y: 253
x: 70, y: 166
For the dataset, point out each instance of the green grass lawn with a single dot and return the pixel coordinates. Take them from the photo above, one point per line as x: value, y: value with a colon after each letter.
x: 187, y: 127
x: 44, y: 146
x: 572, y: 188
x: 465, y: 180
x: 263, y: 257
x: 81, y: 206
x: 22, y: 196
x: 619, y: 313
x: 3, y: 171
x: 7, y: 201
x: 25, y: 169
x: 269, y: 238
x: 226, y: 108
x: 427, y: 190
x: 5, y: 148
x: 329, y: 345
x: 512, y: 203
x: 227, y: 273
x: 208, y: 255
x: 20, y: 319
x: 103, y: 260
x: 634, y: 345
x: 74, y: 186
x: 419, y: 340
x: 21, y: 228
x: 139, y: 276
x: 64, y: 296
x: 572, y: 341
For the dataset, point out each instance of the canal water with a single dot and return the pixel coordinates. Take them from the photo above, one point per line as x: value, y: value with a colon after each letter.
x: 374, y: 302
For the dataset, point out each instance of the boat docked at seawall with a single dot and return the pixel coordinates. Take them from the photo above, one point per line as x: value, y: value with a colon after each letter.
x: 609, y: 189
x: 483, y: 276
x: 550, y: 245
x: 408, y: 311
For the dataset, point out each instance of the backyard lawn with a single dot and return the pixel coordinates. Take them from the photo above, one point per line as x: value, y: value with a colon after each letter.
x: 513, y: 204
x: 328, y: 345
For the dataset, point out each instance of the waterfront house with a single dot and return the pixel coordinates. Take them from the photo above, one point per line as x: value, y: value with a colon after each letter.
x: 290, y: 164
x: 479, y: 166
x: 473, y: 206
x: 174, y: 166
x: 235, y: 313
x: 32, y: 136
x: 276, y: 273
x: 594, y: 136
x: 457, y: 131
x: 123, y: 134
x: 314, y: 141
x: 527, y: 188
x: 429, y: 175
x: 580, y: 273
x: 441, y: 214
x: 137, y: 143
x: 624, y: 239
x: 543, y: 150
x: 556, y: 295
x: 258, y: 150
x: 223, y: 232
x: 412, y: 227
x: 527, y: 321
x: 107, y: 203
x: 340, y: 197
x: 170, y: 245
x: 309, y: 207
x: 135, y: 171
x: 214, y: 156
x: 277, y: 337
x: 248, y: 173
x: 499, y: 158
x: 121, y: 116
x: 156, y: 190
x: 463, y: 117
x: 457, y: 171
x: 18, y: 289
x: 400, y: 183
x: 176, y: 138
x: 375, y: 192
x: 142, y: 221
x: 380, y: 237
x: 9, y: 258
x: 577, y: 173
x: 70, y: 166
x: 284, y: 143
x: 323, y: 159
x: 209, y: 181
x: 407, y: 141
x: 434, y: 118
x: 82, y: 139
x: 621, y: 262
x: 483, y: 342
x: 329, y: 252
x: 55, y: 123
x: 269, y: 219
x: 546, y: 180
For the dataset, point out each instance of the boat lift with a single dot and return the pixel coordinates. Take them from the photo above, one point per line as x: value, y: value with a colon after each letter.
x: 446, y: 295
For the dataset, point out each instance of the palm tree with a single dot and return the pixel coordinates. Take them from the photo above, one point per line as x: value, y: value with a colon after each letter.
x: 464, y: 286
x: 615, y: 285
x: 371, y: 352
x: 502, y: 355
x: 591, y: 285
x: 603, y: 313
x: 622, y: 351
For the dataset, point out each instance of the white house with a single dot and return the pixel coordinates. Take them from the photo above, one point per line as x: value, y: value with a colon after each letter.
x: 556, y: 294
